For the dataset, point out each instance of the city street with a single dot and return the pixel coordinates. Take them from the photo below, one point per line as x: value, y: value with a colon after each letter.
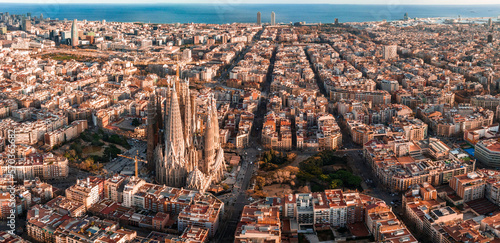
x: 238, y: 198
x: 170, y: 121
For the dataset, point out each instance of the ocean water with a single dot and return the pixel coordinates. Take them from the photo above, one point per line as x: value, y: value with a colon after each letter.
x: 219, y: 13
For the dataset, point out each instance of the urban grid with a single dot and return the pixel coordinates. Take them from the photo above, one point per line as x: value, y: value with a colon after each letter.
x: 116, y: 132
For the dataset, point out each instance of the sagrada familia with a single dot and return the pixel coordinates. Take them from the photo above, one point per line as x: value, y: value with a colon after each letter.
x: 183, y: 144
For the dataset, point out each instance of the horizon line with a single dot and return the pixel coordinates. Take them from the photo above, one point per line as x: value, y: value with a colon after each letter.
x: 204, y: 3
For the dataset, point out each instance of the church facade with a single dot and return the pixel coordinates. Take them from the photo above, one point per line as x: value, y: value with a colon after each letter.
x: 184, y: 147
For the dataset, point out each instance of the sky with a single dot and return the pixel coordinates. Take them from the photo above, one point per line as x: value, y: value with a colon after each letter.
x: 388, y: 2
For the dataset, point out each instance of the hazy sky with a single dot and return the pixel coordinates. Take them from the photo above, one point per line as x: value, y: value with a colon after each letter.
x: 390, y: 2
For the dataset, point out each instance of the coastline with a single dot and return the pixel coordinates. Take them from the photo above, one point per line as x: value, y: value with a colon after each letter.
x: 218, y: 13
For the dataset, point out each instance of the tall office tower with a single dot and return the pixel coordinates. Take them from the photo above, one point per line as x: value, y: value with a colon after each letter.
x: 490, y: 38
x: 406, y: 17
x: 26, y: 25
x: 390, y: 52
x: 273, y: 18
x: 336, y: 21
x: 41, y: 16
x: 258, y: 18
x: 490, y: 22
x: 196, y: 39
x: 186, y: 55
x: 74, y: 33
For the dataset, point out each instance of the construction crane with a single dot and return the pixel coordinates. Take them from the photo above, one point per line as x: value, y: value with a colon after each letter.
x: 136, y: 160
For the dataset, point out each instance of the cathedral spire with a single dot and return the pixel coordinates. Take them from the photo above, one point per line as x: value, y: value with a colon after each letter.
x: 152, y: 130
x: 209, y: 149
x: 215, y: 121
x: 174, y: 138
x: 174, y: 144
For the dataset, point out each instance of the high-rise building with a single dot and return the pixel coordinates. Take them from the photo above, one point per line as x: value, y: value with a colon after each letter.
x: 186, y: 55
x: 26, y: 25
x: 258, y: 18
x: 490, y: 22
x: 390, y: 52
x: 336, y: 21
x: 273, y: 18
x: 406, y: 17
x: 490, y: 38
x: 74, y: 33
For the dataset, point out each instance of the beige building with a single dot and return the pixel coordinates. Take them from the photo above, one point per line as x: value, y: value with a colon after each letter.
x: 469, y: 186
x: 84, y: 192
x: 259, y: 224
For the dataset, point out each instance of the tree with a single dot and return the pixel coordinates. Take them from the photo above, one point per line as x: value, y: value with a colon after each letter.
x: 354, y: 181
x: 260, y: 182
x: 335, y: 183
x: 111, y: 151
x: 324, y: 177
x: 290, y: 157
x: 87, y: 164
x: 77, y: 147
x: 259, y: 194
x: 304, y: 176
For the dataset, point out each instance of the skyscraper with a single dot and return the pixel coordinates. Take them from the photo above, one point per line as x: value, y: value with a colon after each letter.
x: 273, y: 18
x: 490, y: 22
x: 74, y: 33
x: 26, y: 25
x: 406, y: 17
x: 186, y: 54
x: 258, y: 18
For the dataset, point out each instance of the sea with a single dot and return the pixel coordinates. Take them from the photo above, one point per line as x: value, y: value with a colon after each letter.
x: 222, y: 12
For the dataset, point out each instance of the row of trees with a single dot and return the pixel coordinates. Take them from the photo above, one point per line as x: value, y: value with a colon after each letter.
x: 97, y: 138
x: 312, y: 171
x: 76, y: 156
x: 272, y: 160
